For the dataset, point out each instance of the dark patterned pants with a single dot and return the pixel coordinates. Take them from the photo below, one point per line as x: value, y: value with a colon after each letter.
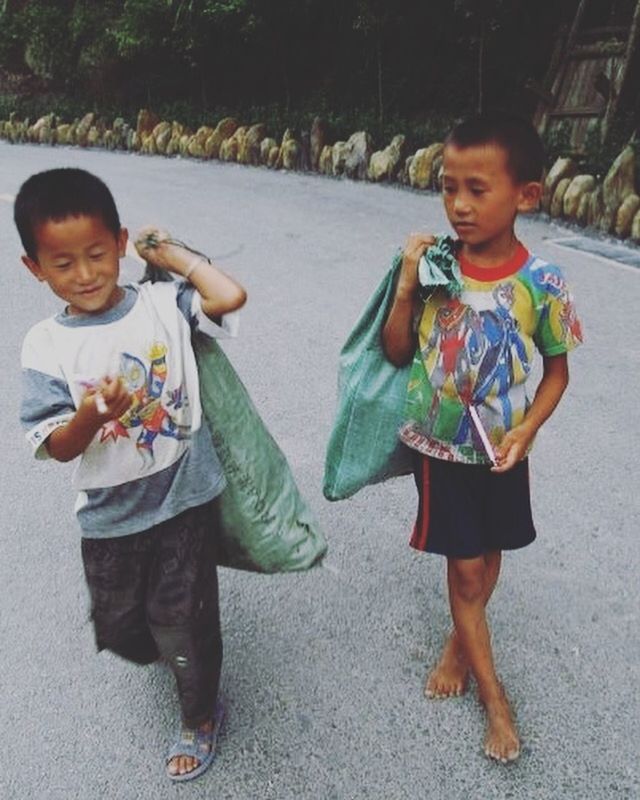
x: 155, y: 595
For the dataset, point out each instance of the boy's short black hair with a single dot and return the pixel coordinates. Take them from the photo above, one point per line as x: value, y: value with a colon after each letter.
x: 60, y: 193
x: 517, y: 137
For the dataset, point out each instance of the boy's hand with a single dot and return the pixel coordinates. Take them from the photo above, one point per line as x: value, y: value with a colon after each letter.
x: 109, y: 401
x: 98, y: 406
x: 515, y: 444
x: 415, y: 247
x: 154, y: 245
x: 513, y: 447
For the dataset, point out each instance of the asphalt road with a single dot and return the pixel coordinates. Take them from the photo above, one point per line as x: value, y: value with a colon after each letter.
x: 323, y: 672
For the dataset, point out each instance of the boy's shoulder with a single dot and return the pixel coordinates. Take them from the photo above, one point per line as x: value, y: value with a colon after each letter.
x: 544, y: 275
x: 40, y: 332
x: 38, y: 347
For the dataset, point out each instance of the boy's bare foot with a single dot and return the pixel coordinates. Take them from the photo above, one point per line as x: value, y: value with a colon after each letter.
x: 502, y: 742
x: 450, y: 676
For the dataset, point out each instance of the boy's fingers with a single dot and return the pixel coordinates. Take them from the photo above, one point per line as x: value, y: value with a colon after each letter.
x: 149, y: 237
x: 112, y: 388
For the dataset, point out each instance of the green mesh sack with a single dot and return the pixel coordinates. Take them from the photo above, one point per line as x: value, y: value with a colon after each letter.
x: 363, y: 446
x: 266, y: 525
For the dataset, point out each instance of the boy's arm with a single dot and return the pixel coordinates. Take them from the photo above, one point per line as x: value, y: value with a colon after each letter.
x: 398, y: 335
x: 69, y: 441
x: 550, y: 389
x: 220, y: 293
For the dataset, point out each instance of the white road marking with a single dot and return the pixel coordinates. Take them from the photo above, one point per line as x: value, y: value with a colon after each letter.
x: 8, y: 198
x: 597, y: 256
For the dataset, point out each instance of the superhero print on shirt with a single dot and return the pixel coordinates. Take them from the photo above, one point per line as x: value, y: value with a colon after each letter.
x: 148, y: 412
x: 456, y: 341
x: 476, y: 354
x: 563, y: 320
x: 502, y: 345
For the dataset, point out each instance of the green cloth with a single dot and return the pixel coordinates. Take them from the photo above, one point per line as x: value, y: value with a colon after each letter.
x: 266, y: 524
x: 364, y: 447
x: 439, y: 267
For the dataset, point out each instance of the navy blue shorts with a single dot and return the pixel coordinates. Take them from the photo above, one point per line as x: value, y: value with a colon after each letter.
x: 466, y: 510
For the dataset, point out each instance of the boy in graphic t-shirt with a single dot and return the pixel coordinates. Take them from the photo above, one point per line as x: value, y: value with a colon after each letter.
x: 112, y: 380
x: 469, y: 417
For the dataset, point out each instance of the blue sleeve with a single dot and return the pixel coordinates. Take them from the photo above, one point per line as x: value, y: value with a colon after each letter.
x: 46, y: 405
x: 184, y: 297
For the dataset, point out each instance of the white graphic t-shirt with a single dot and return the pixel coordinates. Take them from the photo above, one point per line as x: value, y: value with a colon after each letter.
x: 143, y: 467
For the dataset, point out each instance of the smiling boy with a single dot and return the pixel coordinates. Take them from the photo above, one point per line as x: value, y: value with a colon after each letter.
x: 112, y: 380
x: 471, y: 360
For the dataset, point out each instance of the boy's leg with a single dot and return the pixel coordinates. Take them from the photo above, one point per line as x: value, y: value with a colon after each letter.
x: 116, y: 570
x: 184, y: 615
x: 449, y: 678
x: 469, y: 580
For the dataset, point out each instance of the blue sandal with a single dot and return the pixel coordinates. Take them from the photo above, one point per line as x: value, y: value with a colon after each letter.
x: 197, y: 744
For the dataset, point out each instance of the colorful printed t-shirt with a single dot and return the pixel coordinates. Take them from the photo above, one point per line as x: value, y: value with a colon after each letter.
x: 157, y: 459
x: 477, y: 350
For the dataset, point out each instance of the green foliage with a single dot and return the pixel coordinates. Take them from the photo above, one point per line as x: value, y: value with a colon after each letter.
x: 409, y: 66
x: 47, y: 51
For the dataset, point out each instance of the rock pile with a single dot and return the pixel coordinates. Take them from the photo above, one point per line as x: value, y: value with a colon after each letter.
x: 611, y: 205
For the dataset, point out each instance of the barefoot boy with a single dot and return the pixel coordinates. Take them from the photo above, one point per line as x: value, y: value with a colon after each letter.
x: 112, y: 380
x: 469, y: 377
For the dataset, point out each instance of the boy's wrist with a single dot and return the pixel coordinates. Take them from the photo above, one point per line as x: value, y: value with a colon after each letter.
x: 175, y: 258
x: 529, y: 426
x: 88, y: 415
x: 405, y: 295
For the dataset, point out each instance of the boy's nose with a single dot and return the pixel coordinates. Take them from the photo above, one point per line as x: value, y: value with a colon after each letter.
x: 84, y: 271
x: 461, y: 205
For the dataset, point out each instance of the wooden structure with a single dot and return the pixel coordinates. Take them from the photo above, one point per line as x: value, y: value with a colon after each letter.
x: 590, y: 70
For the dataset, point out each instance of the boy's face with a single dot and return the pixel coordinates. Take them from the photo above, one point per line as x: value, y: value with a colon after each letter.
x: 482, y: 198
x: 79, y: 257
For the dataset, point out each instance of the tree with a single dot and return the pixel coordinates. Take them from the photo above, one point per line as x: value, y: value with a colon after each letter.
x: 484, y: 16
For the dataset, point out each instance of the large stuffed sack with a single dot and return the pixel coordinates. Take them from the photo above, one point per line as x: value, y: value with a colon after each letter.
x: 364, y: 447
x: 266, y: 525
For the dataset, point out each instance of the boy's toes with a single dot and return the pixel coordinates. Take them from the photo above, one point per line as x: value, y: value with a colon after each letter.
x: 438, y: 690
x: 181, y: 765
x: 504, y: 755
x: 173, y: 767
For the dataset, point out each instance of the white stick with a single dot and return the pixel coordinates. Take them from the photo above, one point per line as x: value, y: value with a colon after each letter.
x: 483, y: 434
x: 100, y: 403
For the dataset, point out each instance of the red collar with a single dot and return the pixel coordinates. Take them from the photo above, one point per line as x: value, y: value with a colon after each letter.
x: 488, y: 274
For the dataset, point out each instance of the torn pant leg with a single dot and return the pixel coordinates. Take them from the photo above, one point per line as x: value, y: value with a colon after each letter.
x: 116, y: 570
x: 183, y: 611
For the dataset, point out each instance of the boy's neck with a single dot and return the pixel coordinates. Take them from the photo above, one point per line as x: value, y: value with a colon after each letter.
x: 493, y: 253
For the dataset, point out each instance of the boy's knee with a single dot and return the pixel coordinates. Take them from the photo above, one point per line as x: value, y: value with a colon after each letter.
x: 138, y: 649
x: 467, y: 578
x: 128, y: 639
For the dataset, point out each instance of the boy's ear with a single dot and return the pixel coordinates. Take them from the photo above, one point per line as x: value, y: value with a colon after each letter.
x: 33, y: 267
x: 530, y: 196
x: 123, y: 238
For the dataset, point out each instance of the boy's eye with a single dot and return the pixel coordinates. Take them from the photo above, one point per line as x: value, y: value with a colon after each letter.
x: 63, y: 265
x: 448, y: 189
x: 96, y: 256
x: 477, y: 192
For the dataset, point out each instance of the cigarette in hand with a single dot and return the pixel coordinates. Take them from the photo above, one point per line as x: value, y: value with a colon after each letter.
x: 483, y: 434
x: 100, y: 403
